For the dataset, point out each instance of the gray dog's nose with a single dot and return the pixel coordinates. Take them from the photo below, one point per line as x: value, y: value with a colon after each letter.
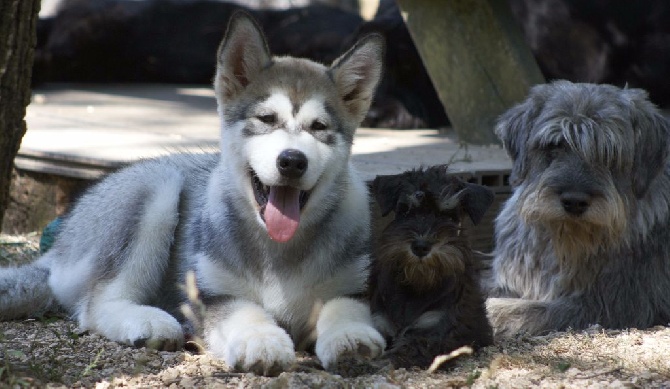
x: 292, y: 163
x: 575, y: 203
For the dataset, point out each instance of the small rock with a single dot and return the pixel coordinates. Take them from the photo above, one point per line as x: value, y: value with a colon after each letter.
x: 187, y: 382
x: 572, y: 372
x: 169, y: 376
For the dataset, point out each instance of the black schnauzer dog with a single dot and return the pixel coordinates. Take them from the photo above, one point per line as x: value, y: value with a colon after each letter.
x: 423, y: 285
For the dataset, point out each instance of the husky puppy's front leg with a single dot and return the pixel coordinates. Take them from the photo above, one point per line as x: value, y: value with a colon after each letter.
x: 345, y: 327
x: 247, y: 338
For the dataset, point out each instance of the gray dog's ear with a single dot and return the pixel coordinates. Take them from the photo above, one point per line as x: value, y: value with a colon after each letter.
x: 651, y: 137
x: 356, y: 74
x: 476, y: 200
x: 386, y: 191
x: 514, y: 127
x: 242, y: 55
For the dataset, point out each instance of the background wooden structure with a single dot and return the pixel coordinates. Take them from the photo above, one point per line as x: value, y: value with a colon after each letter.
x: 476, y: 57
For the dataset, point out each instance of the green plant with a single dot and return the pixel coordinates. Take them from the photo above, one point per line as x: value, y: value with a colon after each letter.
x: 472, y: 377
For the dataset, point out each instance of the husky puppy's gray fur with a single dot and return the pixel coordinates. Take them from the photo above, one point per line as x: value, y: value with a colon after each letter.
x: 585, y: 237
x: 276, y: 227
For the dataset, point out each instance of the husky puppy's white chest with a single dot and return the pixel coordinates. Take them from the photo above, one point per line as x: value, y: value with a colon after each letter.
x: 293, y: 295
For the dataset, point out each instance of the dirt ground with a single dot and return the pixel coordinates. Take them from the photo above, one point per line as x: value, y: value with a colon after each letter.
x: 52, y: 352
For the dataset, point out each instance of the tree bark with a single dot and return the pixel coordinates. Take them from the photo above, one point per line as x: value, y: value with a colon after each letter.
x: 18, y: 19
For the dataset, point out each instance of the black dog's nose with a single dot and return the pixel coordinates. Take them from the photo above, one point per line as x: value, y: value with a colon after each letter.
x: 421, y: 248
x: 292, y: 163
x: 575, y: 203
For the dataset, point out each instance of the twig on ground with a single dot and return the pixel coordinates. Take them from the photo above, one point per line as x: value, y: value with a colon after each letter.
x: 602, y: 372
x: 441, y: 359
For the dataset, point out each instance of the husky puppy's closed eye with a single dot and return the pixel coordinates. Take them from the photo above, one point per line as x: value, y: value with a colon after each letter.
x: 424, y: 290
x: 274, y: 227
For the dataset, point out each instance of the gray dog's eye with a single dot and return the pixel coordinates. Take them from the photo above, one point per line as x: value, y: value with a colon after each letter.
x: 553, y: 150
x: 555, y: 146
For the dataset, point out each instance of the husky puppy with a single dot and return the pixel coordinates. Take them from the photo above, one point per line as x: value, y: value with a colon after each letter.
x: 275, y: 227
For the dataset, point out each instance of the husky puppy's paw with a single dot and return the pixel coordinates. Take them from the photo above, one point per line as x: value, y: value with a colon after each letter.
x: 344, y: 329
x: 247, y: 338
x: 159, y: 331
x: 263, y: 349
x: 353, y: 339
x: 141, y: 326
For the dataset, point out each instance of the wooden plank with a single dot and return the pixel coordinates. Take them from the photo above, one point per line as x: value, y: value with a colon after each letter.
x: 476, y: 57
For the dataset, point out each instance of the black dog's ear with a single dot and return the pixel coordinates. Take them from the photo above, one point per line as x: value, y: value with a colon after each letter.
x: 386, y: 191
x: 476, y: 200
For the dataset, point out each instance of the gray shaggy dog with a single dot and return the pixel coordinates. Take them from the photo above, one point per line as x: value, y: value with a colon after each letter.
x: 585, y: 237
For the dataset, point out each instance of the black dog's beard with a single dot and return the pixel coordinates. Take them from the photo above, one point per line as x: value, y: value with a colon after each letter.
x: 408, y: 286
x: 447, y: 258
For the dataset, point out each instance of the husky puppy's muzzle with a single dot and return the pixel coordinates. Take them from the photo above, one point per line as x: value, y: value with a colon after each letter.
x: 280, y: 205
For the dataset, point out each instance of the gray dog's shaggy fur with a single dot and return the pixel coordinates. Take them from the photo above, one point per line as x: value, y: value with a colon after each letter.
x: 585, y: 237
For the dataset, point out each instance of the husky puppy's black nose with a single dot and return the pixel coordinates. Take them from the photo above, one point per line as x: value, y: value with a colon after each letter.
x: 292, y: 163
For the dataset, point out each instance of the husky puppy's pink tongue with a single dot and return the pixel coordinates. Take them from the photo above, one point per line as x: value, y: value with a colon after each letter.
x: 282, y: 213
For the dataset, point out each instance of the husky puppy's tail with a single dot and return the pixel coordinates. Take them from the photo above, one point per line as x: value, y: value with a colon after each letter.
x: 25, y: 291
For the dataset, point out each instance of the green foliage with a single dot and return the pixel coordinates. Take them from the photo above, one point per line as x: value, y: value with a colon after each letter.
x: 472, y: 377
x: 563, y: 366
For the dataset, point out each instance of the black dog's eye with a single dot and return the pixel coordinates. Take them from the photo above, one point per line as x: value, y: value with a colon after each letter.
x: 318, y: 125
x: 401, y: 209
x: 269, y: 118
x: 419, y: 195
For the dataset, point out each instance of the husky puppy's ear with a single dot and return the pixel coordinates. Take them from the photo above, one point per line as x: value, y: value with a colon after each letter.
x: 357, y: 72
x: 243, y: 53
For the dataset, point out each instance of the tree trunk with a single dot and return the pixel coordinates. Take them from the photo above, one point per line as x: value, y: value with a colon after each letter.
x: 18, y: 19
